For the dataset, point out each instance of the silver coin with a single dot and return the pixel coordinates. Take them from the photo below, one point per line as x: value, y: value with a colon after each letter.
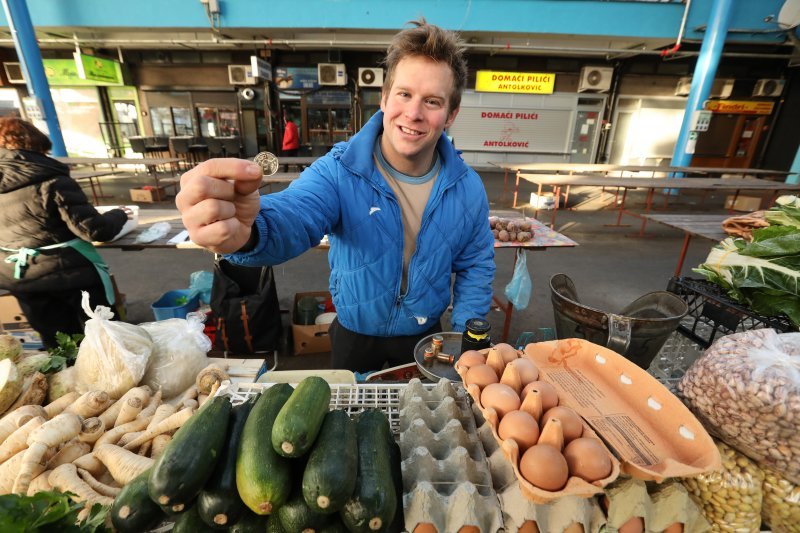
x: 268, y: 162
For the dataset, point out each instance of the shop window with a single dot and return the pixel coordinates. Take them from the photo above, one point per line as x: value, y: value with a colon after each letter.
x: 218, y: 121
x: 161, y: 119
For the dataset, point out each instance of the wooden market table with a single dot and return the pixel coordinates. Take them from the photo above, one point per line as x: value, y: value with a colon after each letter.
x: 94, y: 183
x: 151, y: 164
x: 705, y: 226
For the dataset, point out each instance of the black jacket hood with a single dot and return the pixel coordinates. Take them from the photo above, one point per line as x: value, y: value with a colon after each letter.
x: 20, y: 168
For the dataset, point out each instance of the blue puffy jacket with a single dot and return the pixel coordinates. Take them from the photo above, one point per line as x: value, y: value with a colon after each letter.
x: 345, y: 196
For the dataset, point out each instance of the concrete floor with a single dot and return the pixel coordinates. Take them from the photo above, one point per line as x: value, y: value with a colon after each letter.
x: 610, y: 267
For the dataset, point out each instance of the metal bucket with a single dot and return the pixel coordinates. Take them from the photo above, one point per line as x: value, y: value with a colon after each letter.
x: 637, y: 332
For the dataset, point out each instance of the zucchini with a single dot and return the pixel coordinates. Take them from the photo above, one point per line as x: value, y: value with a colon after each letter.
x: 133, y: 510
x: 250, y: 522
x: 300, y: 420
x: 182, y: 470
x: 263, y: 478
x: 274, y: 524
x: 374, y: 502
x: 337, y: 526
x: 295, y: 515
x: 190, y: 522
x: 219, y: 504
x: 399, y: 522
x: 330, y: 475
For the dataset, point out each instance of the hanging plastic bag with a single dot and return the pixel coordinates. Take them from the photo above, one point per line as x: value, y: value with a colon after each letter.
x: 201, y: 282
x: 179, y: 353
x: 113, y: 355
x: 518, y: 290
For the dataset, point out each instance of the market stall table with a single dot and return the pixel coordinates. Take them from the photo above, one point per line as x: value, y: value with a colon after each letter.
x: 705, y: 226
x: 150, y: 163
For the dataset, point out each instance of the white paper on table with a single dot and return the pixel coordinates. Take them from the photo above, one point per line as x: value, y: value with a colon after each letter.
x: 183, y: 236
x: 129, y: 226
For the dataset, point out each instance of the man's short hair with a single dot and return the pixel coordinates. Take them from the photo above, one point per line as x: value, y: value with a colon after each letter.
x: 427, y: 40
x: 17, y: 134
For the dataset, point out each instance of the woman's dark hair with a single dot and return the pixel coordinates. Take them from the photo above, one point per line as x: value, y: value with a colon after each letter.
x: 17, y: 134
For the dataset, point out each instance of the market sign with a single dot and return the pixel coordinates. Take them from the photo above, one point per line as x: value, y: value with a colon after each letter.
x: 742, y: 107
x: 61, y: 72
x: 296, y: 77
x: 493, y: 81
x: 490, y: 129
x: 97, y: 69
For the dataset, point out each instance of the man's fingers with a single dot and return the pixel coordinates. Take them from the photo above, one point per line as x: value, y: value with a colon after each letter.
x: 207, y: 212
x: 245, y: 175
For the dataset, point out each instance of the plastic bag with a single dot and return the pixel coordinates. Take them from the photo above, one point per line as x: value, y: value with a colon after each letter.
x: 518, y: 290
x: 113, y: 355
x: 200, y: 282
x: 179, y: 353
x: 746, y: 389
x: 159, y: 230
x: 730, y: 498
x: 781, y: 508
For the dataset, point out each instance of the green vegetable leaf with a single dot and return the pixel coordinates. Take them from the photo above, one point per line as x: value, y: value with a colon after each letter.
x: 64, y: 354
x: 47, y: 512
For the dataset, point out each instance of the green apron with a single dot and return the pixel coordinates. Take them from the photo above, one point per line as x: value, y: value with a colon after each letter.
x: 20, y: 259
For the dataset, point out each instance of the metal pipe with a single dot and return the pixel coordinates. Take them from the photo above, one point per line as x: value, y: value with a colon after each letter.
x: 676, y: 47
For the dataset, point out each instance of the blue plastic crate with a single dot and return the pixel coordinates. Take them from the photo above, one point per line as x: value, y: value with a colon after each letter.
x: 170, y: 306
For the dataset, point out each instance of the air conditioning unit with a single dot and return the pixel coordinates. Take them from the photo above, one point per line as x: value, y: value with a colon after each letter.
x: 14, y: 73
x: 767, y: 87
x: 331, y: 74
x: 240, y: 75
x: 370, y: 77
x: 595, y: 79
x: 721, y: 88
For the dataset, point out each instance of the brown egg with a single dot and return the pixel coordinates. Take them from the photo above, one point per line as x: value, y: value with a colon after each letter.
x: 501, y: 398
x: 521, y: 427
x: 544, y: 467
x: 677, y: 527
x: 480, y: 375
x: 587, y: 459
x: 575, y: 527
x: 507, y: 351
x: 634, y: 525
x: 425, y: 528
x: 571, y: 422
x: 549, y: 394
x: 528, y: 527
x: 469, y: 359
x: 469, y: 529
x: 527, y: 370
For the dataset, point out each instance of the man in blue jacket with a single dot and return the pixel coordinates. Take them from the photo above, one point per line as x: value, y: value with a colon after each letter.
x: 402, y: 210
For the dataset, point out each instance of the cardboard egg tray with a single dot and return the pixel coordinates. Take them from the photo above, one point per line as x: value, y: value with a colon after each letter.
x: 575, y: 486
x: 446, y: 477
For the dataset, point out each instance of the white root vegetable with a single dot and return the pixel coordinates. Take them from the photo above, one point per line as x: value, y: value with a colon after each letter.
x: 91, y: 430
x: 201, y: 399
x: 99, y: 487
x: 127, y: 437
x: 15, y: 419
x: 123, y: 465
x: 91, y: 464
x: 160, y: 443
x: 144, y: 449
x: 56, y: 407
x: 109, y: 416
x: 34, y: 391
x: 49, y: 435
x: 190, y: 404
x: 10, y: 384
x: 65, y: 478
x: 10, y: 470
x: 211, y: 374
x: 130, y: 409
x: 170, y: 423
x: 112, y: 436
x: 68, y: 453
x: 152, y: 405
x: 90, y: 404
x: 40, y: 483
x: 18, y: 440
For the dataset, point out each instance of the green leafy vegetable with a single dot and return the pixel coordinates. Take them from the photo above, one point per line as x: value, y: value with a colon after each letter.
x: 64, y: 354
x: 47, y: 512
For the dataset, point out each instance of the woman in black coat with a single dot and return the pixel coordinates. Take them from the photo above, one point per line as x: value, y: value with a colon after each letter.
x: 46, y: 228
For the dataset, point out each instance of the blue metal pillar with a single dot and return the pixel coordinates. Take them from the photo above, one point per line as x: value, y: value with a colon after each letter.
x: 794, y: 177
x: 704, y: 72
x: 30, y: 58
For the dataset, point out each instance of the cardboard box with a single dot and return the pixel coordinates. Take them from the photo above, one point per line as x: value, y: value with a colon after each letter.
x: 154, y: 194
x: 747, y: 204
x: 310, y: 339
x: 11, y: 316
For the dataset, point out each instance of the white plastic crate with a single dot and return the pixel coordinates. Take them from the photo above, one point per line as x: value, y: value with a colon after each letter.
x: 351, y: 398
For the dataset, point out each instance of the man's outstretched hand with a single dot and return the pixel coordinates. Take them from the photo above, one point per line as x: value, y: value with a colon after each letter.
x: 219, y: 201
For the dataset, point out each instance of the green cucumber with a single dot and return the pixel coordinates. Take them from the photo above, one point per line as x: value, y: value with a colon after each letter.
x: 374, y: 502
x: 330, y: 475
x: 337, y: 526
x: 250, y: 522
x: 300, y: 420
x: 187, y: 463
x: 133, y: 510
x: 274, y: 524
x: 263, y: 478
x: 399, y: 522
x: 219, y: 504
x: 189, y: 522
x: 295, y: 515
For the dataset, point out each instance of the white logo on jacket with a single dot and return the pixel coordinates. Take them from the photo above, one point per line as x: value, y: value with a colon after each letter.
x: 373, y: 210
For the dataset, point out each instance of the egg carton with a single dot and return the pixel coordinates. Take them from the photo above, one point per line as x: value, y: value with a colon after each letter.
x: 517, y: 509
x: 446, y: 478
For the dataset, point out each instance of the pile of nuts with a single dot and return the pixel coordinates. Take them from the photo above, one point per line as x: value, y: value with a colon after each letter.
x: 730, y: 499
x: 781, y: 506
x: 746, y: 389
x: 511, y: 230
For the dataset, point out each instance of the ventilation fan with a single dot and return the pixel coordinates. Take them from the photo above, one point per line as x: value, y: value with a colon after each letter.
x: 14, y: 73
x: 240, y: 75
x: 370, y: 77
x: 595, y: 79
x: 720, y: 88
x: 767, y: 87
x: 331, y: 74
